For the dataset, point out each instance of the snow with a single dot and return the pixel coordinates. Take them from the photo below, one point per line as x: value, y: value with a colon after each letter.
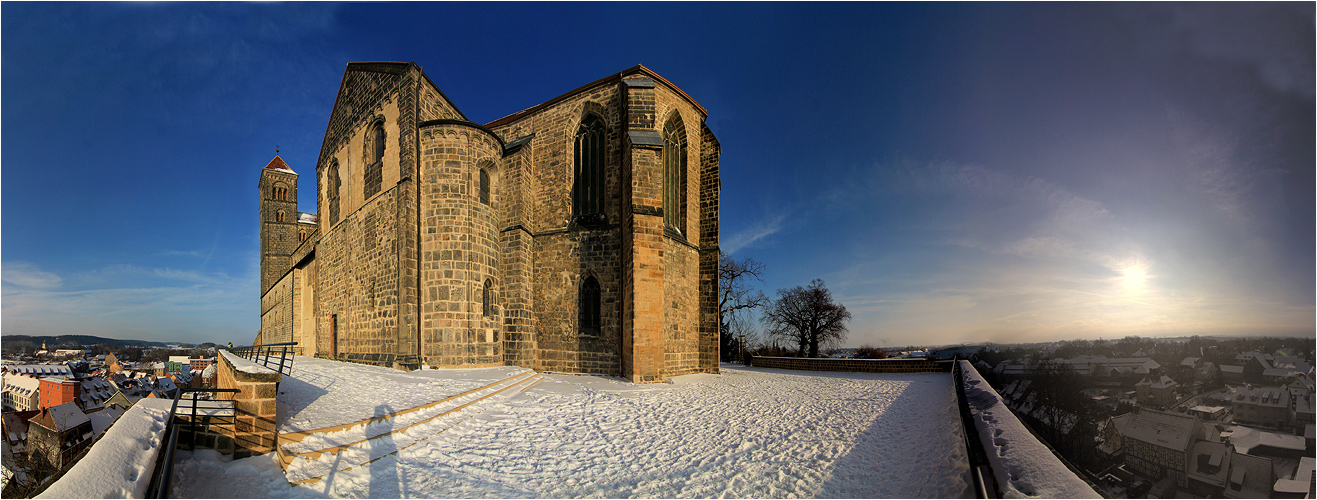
x: 120, y: 464
x: 1244, y: 439
x: 243, y: 365
x: 321, y: 393
x: 1022, y: 466
x: 749, y: 432
x: 102, y: 420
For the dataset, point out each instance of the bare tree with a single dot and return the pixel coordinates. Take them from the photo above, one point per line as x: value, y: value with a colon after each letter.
x: 807, y: 317
x: 736, y: 299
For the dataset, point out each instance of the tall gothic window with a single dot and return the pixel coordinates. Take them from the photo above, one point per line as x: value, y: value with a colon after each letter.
x: 674, y: 173
x: 484, y: 186
x: 374, y: 159
x: 488, y: 311
x: 589, y: 307
x: 332, y: 184
x: 588, y: 186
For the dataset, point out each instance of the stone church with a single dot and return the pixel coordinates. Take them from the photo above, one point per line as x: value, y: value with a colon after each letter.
x: 579, y: 235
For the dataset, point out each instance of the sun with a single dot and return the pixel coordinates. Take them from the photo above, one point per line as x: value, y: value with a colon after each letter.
x: 1133, y: 278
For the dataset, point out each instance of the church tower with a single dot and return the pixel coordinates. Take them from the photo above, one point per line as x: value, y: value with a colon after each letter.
x: 278, y: 220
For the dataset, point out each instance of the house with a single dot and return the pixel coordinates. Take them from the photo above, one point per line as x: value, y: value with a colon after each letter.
x: 122, y: 400
x: 1232, y: 374
x: 200, y: 363
x: 1209, y: 468
x: 15, y: 429
x: 94, y: 392
x: 20, y: 391
x: 1250, y: 477
x: 57, y: 391
x: 1157, y: 444
x: 1159, y: 392
x: 1110, y: 443
x: 1266, y: 406
x: 1259, y: 442
x: 59, y: 433
x: 1300, y: 485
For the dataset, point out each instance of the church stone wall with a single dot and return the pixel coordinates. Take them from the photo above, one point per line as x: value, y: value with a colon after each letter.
x: 565, y: 253
x: 459, y: 247
x: 358, y: 281
x: 277, y: 311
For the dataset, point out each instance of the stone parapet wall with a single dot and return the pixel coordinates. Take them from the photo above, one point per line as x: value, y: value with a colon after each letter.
x: 254, y: 405
x: 853, y: 365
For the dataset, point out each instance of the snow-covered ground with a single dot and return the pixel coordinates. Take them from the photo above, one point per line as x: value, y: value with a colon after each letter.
x: 321, y: 393
x: 745, y: 433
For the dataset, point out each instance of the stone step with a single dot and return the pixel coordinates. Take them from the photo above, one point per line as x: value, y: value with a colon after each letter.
x: 298, y: 436
x: 303, y: 465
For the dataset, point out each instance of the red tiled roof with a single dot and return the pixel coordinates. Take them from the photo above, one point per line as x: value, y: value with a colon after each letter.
x: 278, y: 164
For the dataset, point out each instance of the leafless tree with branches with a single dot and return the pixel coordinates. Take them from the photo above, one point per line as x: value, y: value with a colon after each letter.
x: 736, y: 299
x: 807, y: 317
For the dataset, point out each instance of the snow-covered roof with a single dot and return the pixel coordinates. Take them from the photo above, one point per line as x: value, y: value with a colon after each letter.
x: 1260, y: 396
x: 1302, y: 480
x: 209, y: 372
x: 120, y: 464
x: 1209, y: 462
x: 1164, y: 382
x: 1169, y: 430
x: 307, y: 218
x: 1245, y: 439
x: 62, y: 417
x: 1189, y: 361
x: 43, y: 370
x: 1231, y: 369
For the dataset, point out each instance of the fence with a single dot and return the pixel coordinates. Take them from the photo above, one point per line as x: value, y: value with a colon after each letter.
x: 277, y: 357
x: 895, y: 365
x: 164, y: 469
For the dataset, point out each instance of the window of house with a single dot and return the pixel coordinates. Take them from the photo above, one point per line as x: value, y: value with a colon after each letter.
x: 589, y: 307
x: 674, y: 173
x: 279, y: 217
x: 588, y: 183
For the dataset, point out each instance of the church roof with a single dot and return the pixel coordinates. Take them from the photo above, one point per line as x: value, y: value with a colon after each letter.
x: 632, y: 71
x: 278, y: 164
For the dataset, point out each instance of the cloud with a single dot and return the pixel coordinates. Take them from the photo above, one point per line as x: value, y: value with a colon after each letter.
x: 129, y: 301
x: 760, y: 230
x: 27, y: 275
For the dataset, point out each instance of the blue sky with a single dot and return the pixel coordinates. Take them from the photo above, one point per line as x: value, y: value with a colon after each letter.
x: 953, y: 172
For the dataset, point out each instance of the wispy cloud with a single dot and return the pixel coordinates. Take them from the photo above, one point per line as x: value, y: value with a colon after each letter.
x: 755, y: 233
x: 25, y: 274
x: 126, y: 300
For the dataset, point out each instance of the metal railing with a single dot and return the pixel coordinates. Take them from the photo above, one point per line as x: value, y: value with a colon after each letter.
x: 164, y: 469
x: 978, y: 458
x: 278, y: 357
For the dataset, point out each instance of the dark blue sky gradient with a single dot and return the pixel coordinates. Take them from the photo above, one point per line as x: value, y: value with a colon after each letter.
x: 954, y: 172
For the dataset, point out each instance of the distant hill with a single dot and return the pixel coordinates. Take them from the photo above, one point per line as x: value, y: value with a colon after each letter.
x: 88, y: 340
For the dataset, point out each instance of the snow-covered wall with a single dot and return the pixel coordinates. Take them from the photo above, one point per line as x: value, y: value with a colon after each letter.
x: 1022, y: 466
x: 243, y: 365
x: 120, y: 464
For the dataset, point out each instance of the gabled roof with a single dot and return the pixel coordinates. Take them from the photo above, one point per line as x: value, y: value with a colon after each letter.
x: 61, y: 418
x: 634, y: 70
x: 278, y: 164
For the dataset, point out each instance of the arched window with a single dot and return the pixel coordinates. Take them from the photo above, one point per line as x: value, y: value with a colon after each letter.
x: 374, y: 174
x: 588, y: 183
x: 484, y: 186
x: 488, y: 311
x: 332, y: 184
x: 589, y: 307
x: 279, y: 217
x: 674, y: 173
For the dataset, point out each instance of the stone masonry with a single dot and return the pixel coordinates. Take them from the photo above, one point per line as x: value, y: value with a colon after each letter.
x: 461, y: 246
